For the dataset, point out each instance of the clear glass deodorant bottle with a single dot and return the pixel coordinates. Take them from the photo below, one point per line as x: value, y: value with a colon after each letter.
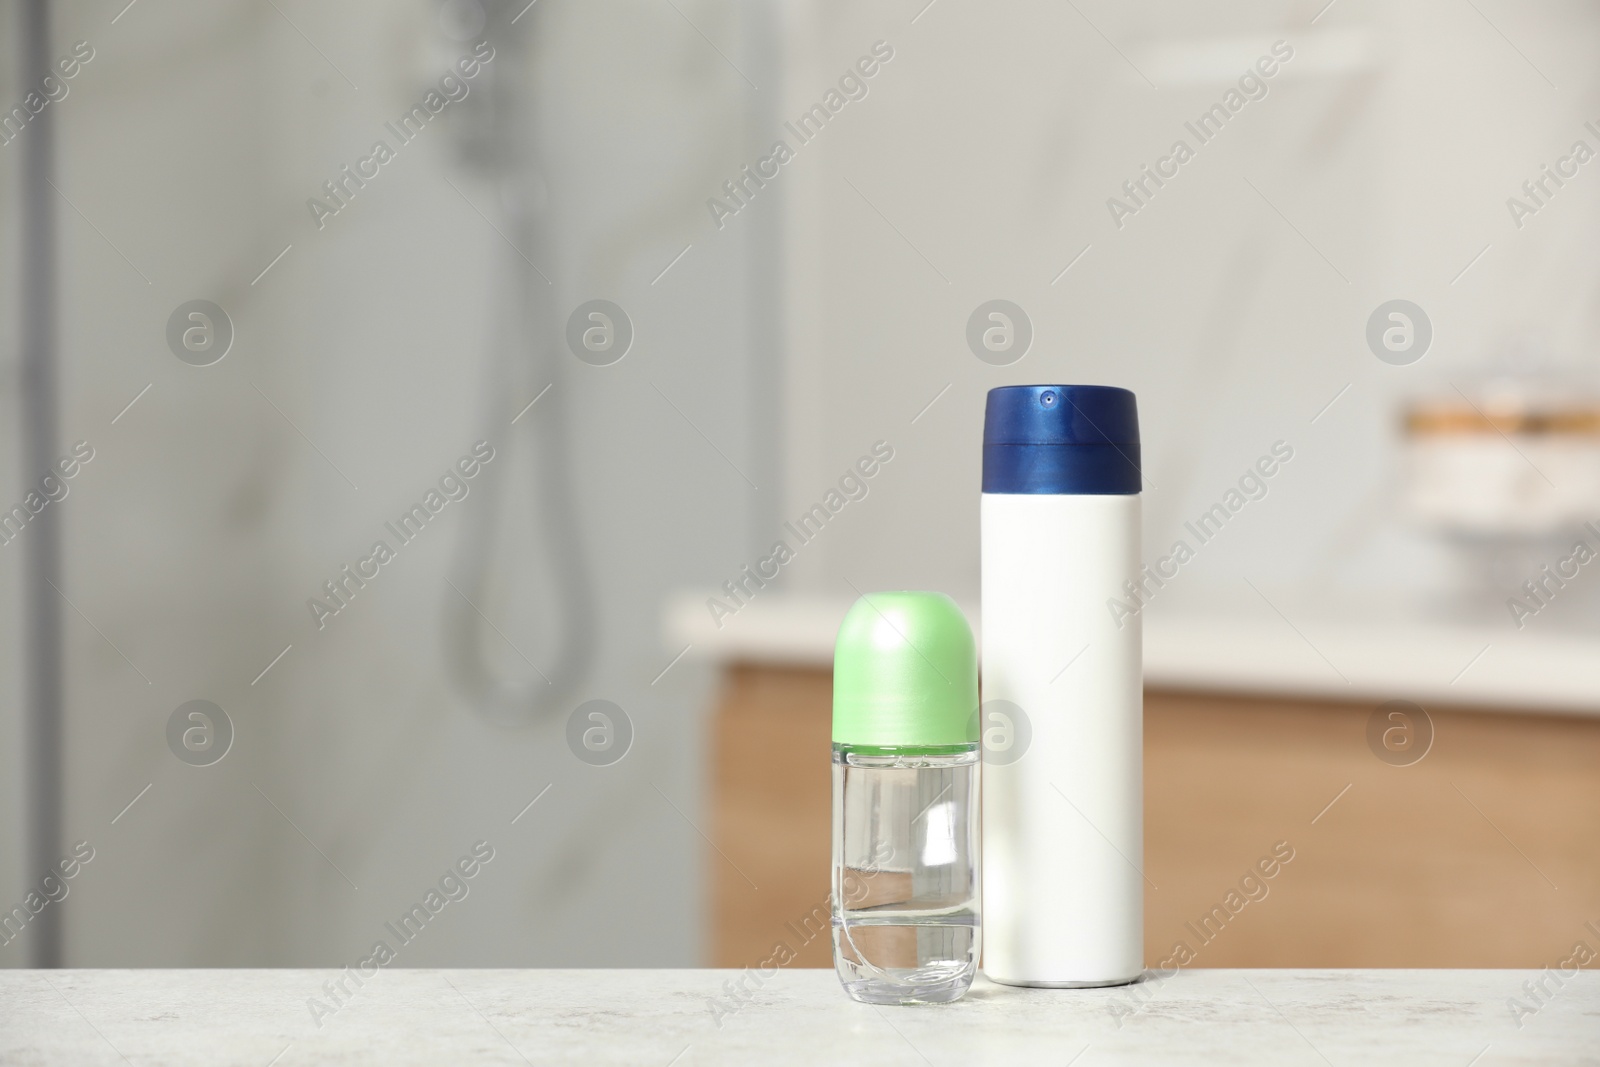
x: 905, y: 800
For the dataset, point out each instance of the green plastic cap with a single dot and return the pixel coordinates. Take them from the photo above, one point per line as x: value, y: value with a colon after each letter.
x: 905, y: 673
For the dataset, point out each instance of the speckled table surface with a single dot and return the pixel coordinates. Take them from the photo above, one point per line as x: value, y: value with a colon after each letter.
x: 683, y: 1017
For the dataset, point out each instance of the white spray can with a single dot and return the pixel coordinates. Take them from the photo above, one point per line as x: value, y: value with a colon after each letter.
x: 1063, y: 707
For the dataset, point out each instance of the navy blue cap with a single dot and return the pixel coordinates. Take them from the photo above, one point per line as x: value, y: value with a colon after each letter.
x: 1064, y: 439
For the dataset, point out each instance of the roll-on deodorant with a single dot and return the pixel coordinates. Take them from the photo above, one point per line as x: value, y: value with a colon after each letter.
x: 1063, y: 709
x: 905, y: 800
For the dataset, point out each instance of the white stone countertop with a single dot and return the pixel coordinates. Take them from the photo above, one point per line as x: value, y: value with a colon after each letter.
x: 403, y: 1016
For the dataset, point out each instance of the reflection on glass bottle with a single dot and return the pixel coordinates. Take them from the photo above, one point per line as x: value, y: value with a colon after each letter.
x: 905, y: 873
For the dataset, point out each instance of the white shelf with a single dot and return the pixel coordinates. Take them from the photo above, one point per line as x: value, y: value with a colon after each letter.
x: 1432, y: 664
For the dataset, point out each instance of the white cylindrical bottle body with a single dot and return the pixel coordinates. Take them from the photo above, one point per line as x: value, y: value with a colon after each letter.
x: 1063, y: 797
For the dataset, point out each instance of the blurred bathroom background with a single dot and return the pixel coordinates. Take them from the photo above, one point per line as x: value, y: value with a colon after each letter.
x: 772, y: 330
